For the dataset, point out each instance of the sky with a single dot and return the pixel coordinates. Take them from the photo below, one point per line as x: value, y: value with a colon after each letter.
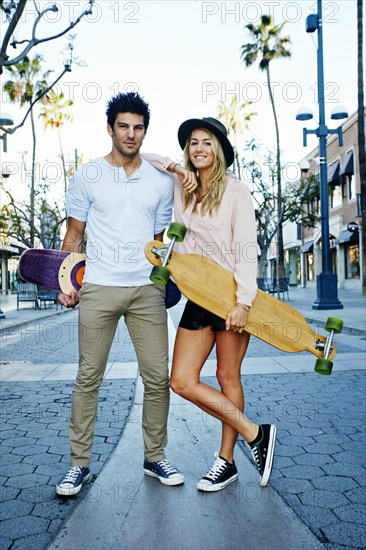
x: 183, y: 57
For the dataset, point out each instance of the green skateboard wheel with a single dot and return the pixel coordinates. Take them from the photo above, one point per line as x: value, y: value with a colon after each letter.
x: 177, y: 230
x: 334, y: 323
x: 323, y: 366
x: 159, y: 275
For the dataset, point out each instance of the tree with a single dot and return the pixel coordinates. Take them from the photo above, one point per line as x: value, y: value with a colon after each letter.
x: 54, y: 114
x: 269, y: 45
x: 297, y: 204
x: 16, y: 216
x: 13, y: 11
x: 361, y: 135
x: 233, y: 116
x: 25, y: 86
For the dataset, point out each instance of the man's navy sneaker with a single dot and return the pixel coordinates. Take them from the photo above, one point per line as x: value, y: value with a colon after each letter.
x: 164, y: 471
x: 219, y: 476
x: 72, y: 481
x: 263, y: 451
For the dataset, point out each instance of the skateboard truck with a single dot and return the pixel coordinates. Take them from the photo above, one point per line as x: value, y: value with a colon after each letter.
x: 160, y: 274
x: 323, y: 365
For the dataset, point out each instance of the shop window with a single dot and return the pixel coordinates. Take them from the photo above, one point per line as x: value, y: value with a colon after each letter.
x: 352, y: 261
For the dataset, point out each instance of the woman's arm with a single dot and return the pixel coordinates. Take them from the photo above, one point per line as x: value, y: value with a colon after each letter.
x: 180, y: 175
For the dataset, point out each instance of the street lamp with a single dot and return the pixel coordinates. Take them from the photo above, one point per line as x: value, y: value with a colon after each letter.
x: 326, y: 282
x: 5, y: 120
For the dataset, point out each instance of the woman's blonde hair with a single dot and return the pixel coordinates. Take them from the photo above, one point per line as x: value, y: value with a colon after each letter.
x: 217, y: 184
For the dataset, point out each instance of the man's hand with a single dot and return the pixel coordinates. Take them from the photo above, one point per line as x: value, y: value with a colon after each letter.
x: 69, y: 301
x: 187, y: 178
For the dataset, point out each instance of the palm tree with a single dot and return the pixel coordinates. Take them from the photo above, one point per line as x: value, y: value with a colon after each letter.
x: 54, y: 114
x: 23, y: 89
x: 361, y: 135
x: 268, y: 45
x: 233, y: 116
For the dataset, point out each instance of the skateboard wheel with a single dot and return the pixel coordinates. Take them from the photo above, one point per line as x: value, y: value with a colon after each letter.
x: 159, y: 275
x: 323, y: 366
x: 334, y: 323
x: 177, y: 230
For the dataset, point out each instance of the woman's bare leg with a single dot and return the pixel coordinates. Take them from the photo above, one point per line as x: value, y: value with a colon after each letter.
x: 190, y: 352
x: 230, y: 351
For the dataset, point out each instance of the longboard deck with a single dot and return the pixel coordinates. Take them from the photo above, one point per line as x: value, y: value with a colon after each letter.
x: 52, y: 269
x: 211, y: 286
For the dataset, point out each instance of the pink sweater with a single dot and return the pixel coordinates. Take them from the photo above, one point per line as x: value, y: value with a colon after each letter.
x: 228, y: 237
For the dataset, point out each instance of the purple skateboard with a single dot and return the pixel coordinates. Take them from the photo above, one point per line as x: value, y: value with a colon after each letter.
x: 63, y: 271
x: 52, y: 269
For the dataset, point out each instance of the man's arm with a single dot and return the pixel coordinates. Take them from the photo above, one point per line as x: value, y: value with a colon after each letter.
x: 73, y: 242
x: 159, y: 236
x: 74, y: 238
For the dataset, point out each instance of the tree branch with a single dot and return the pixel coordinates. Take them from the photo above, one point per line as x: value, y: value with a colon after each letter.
x: 34, y: 41
x: 8, y: 130
x: 9, y: 32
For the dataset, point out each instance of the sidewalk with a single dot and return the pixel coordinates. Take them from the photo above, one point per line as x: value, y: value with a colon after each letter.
x: 353, y: 312
x: 316, y: 495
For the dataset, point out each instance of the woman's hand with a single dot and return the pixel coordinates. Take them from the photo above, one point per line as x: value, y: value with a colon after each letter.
x: 69, y: 301
x: 187, y: 178
x: 236, y: 319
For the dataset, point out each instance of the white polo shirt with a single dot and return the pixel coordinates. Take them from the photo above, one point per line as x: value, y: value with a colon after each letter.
x: 122, y: 214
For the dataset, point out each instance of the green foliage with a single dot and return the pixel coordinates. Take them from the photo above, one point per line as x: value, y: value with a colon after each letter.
x: 268, y: 43
x: 16, y: 219
x: 24, y: 87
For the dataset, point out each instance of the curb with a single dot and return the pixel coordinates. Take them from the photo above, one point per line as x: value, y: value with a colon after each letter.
x: 345, y: 329
x: 16, y: 326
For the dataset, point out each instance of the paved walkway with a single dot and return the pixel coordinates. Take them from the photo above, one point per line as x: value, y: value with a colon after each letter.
x: 316, y: 497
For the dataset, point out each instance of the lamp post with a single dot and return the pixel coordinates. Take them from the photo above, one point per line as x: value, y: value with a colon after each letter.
x: 326, y: 284
x: 5, y: 120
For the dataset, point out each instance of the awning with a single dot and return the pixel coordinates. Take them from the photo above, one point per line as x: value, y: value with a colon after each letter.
x: 348, y: 168
x: 307, y: 247
x: 347, y: 236
x: 334, y: 173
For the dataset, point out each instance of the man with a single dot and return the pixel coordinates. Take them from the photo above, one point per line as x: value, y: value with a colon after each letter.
x: 122, y: 202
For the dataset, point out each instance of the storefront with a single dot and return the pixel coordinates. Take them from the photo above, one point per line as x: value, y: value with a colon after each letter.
x: 348, y: 242
x: 292, y: 265
x: 307, y: 251
x: 9, y: 255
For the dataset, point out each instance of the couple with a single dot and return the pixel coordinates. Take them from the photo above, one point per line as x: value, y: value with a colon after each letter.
x: 124, y: 200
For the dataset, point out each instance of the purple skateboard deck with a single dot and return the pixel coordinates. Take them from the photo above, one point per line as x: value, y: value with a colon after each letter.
x: 52, y: 269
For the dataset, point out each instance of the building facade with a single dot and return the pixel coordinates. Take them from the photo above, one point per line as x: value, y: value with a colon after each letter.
x: 345, y: 227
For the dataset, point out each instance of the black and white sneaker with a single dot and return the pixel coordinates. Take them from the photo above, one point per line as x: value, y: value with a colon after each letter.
x: 164, y: 471
x: 219, y: 476
x: 72, y: 481
x: 263, y: 451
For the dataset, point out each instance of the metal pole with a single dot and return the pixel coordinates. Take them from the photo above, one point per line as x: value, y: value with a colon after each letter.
x: 327, y: 293
x: 322, y: 133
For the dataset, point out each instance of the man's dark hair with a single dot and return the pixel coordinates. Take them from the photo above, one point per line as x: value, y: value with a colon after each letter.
x: 130, y: 102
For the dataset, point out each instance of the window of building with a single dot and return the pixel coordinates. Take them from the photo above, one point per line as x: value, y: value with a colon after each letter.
x: 352, y: 258
x: 310, y: 266
x: 351, y: 186
x: 335, y: 196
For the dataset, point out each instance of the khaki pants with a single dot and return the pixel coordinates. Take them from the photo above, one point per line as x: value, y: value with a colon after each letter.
x: 145, y: 315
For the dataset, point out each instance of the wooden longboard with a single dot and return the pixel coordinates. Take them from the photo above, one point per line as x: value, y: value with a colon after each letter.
x: 52, y: 269
x: 214, y: 288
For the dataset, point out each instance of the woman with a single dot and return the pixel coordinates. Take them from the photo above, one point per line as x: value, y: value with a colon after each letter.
x: 220, y: 222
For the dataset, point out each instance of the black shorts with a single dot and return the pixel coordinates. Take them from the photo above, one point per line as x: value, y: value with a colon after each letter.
x: 196, y: 317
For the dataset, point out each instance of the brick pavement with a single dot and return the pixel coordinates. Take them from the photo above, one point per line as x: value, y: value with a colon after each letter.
x: 34, y: 417
x: 319, y: 466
